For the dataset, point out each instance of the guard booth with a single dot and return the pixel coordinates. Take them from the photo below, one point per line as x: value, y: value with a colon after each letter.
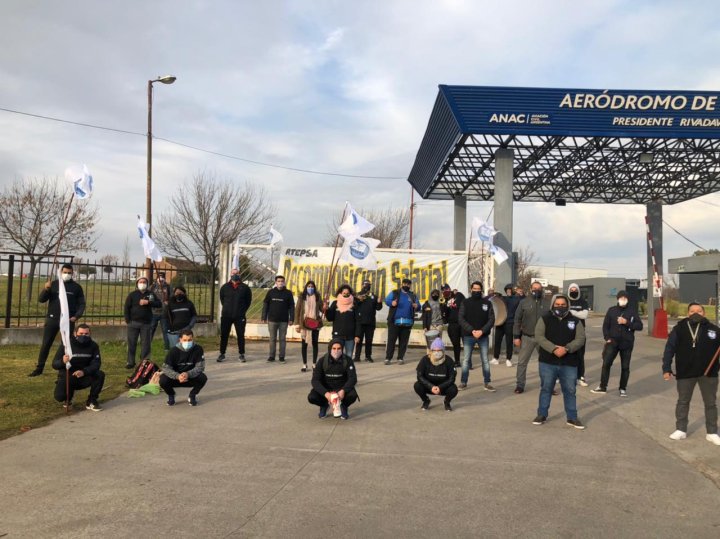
x: 560, y: 146
x: 705, y: 265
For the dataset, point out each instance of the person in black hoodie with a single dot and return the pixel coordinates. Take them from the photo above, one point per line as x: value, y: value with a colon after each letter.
x: 477, y: 319
x: 334, y: 373
x: 693, y: 342
x: 559, y: 335
x: 451, y: 308
x: 235, y: 299
x: 278, y: 311
x: 505, y: 331
x: 84, y: 370
x: 76, y: 307
x: 619, y: 327
x: 180, y: 314
x: 343, y: 314
x: 368, y: 305
x: 184, y: 367
x: 138, y: 317
x: 579, y: 309
x: 436, y: 376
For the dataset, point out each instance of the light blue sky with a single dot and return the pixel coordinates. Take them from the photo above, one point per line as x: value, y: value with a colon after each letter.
x: 335, y: 86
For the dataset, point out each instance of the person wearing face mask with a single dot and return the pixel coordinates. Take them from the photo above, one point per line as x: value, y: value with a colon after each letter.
x: 527, y: 315
x: 50, y: 295
x: 403, y: 305
x: 184, y: 367
x: 278, y: 311
x: 432, y: 314
x: 235, y: 300
x: 559, y: 335
x: 451, y: 308
x: 619, y: 327
x: 181, y: 314
x: 477, y: 319
x: 161, y: 290
x: 368, y: 306
x: 334, y: 373
x: 84, y: 369
x: 579, y: 309
x: 436, y: 376
x: 308, y: 321
x: 343, y: 314
x: 693, y: 342
x: 138, y: 317
x: 505, y: 331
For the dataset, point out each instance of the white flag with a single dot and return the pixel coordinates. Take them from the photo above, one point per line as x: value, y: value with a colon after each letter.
x: 482, y: 230
x: 81, y: 179
x: 275, y: 236
x: 236, y: 255
x: 149, y: 247
x: 498, y: 254
x: 360, y: 252
x: 64, y: 315
x: 354, y: 225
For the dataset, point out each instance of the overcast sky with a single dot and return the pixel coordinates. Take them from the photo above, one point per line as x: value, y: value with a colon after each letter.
x: 333, y: 86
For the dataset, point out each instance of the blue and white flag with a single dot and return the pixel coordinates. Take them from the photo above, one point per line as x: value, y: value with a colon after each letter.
x: 482, y: 230
x: 81, y: 179
x: 236, y: 255
x: 64, y: 314
x: 498, y: 254
x: 275, y: 236
x: 149, y: 248
x: 360, y: 252
x: 354, y: 225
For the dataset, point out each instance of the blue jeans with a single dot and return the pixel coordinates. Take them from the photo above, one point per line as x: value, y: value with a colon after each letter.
x: 349, y: 347
x: 163, y: 321
x: 469, y: 343
x: 567, y: 375
x: 173, y: 338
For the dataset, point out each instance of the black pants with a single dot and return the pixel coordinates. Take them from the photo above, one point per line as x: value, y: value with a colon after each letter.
x: 708, y: 390
x: 144, y: 331
x: 504, y: 331
x: 367, y: 332
x: 314, y: 334
x: 580, y: 354
x: 449, y: 392
x: 168, y: 384
x: 94, y: 382
x: 319, y: 400
x: 402, y: 335
x: 610, y: 352
x: 455, y: 334
x: 225, y: 324
x: 52, y: 328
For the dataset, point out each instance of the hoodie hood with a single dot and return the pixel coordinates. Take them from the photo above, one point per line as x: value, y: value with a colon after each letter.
x: 552, y: 302
x: 336, y: 340
x: 576, y: 295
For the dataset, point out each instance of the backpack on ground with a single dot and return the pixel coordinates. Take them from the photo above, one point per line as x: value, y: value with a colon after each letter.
x: 142, y: 375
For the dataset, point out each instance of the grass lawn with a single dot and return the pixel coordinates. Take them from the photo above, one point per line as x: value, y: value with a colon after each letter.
x: 27, y: 403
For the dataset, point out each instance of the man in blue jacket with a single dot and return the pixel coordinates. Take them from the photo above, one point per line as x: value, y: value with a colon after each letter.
x: 403, y: 305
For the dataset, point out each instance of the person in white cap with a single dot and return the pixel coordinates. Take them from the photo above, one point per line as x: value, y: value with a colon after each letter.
x: 436, y: 376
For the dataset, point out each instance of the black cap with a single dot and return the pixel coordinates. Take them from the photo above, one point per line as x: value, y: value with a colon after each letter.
x: 621, y: 294
x: 446, y: 287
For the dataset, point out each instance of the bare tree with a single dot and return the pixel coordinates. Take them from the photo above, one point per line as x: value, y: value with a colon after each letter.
x: 526, y: 273
x: 207, y: 212
x: 31, y: 216
x: 392, y: 227
x: 125, y: 274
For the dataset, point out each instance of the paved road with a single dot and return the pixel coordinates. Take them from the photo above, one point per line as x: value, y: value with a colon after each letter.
x: 253, y: 460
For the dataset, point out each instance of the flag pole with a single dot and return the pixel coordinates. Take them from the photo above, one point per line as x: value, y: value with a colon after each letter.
x: 333, y: 264
x: 60, y: 236
x: 712, y: 361
x: 67, y: 388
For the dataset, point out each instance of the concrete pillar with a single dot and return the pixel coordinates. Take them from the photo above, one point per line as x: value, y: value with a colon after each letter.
x: 503, y: 214
x: 654, y: 217
x: 460, y: 223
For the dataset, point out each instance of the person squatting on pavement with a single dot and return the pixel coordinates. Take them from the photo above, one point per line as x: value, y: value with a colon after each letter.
x: 579, y: 309
x: 138, y: 317
x: 453, y: 300
x: 505, y: 331
x: 693, y: 342
x: 526, y: 317
x: 368, y: 305
x: 308, y: 321
x: 84, y: 369
x: 334, y: 373
x: 161, y: 290
x: 181, y: 314
x: 76, y: 308
x: 436, y: 376
x: 403, y: 305
x: 476, y: 318
x: 344, y: 317
x: 560, y: 335
x: 184, y: 367
x: 619, y: 327
x: 278, y: 311
x: 235, y: 299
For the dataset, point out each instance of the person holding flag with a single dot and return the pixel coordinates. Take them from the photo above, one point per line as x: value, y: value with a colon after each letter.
x: 79, y: 368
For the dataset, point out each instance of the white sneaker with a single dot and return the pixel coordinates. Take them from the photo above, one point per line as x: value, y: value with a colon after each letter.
x: 494, y: 361
x: 508, y: 363
x: 714, y: 438
x: 623, y: 393
x: 582, y: 382
x: 680, y: 435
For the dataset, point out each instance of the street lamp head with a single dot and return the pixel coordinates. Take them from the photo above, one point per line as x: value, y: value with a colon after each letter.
x: 166, y: 79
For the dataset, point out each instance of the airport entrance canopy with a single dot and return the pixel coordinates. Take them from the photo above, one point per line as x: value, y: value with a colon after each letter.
x: 603, y: 146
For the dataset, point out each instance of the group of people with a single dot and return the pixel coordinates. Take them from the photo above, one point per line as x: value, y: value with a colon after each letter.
x: 555, y: 328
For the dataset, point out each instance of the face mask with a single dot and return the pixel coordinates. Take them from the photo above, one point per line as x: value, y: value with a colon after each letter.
x: 179, y: 297
x: 337, y: 354
x: 476, y: 294
x: 366, y: 288
x: 187, y: 345
x: 67, y: 277
x: 406, y: 288
x: 142, y: 286
x: 310, y: 290
x: 435, y: 297
x: 280, y: 285
x: 82, y: 339
x: 560, y: 311
x: 537, y: 294
x: 622, y: 302
x: 438, y: 354
x: 696, y: 318
x: 235, y: 278
x: 161, y: 280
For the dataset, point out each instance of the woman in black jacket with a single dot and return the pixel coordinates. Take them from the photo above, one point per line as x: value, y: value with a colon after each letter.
x: 344, y: 316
